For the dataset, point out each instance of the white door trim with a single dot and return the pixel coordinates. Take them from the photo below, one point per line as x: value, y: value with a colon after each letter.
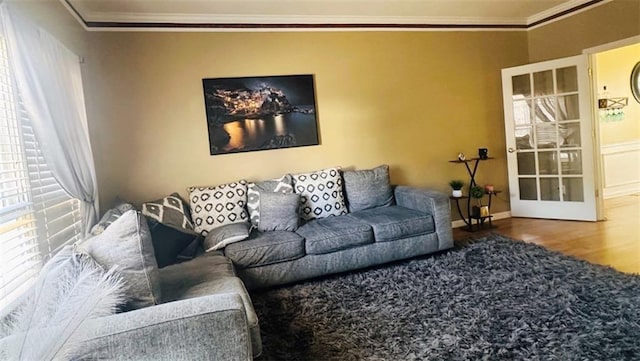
x: 613, y: 45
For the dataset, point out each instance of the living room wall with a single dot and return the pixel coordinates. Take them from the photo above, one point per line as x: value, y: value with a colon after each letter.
x: 613, y: 21
x: 409, y: 99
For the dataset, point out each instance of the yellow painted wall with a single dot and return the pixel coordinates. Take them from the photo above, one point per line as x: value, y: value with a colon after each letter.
x: 614, y: 70
x: 409, y: 99
x: 616, y: 20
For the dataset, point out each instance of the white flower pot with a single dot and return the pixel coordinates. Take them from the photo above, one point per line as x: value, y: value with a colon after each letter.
x: 456, y: 193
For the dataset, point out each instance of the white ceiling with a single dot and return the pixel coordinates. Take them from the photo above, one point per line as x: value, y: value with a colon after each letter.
x: 97, y: 14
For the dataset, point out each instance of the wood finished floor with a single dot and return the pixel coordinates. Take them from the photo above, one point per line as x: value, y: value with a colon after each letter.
x: 614, y: 242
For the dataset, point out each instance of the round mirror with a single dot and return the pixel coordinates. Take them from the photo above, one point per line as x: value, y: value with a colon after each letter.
x: 635, y: 82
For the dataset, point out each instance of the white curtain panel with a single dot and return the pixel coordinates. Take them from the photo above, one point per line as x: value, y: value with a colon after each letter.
x: 49, y: 81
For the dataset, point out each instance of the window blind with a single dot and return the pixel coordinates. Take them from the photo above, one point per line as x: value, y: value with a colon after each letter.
x: 57, y: 215
x: 37, y: 217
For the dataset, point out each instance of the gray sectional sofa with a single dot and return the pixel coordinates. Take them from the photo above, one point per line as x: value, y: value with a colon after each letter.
x: 418, y: 223
x: 258, y: 235
x: 205, y: 314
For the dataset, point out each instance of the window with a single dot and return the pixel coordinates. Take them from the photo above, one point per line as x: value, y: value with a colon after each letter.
x: 37, y: 217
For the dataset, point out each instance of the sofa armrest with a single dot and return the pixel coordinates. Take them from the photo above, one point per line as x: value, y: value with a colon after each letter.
x: 432, y: 202
x: 203, y: 328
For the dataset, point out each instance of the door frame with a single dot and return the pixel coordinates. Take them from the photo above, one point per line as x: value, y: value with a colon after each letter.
x: 597, y: 154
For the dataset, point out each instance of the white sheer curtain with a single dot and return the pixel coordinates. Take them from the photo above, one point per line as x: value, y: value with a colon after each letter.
x: 49, y: 81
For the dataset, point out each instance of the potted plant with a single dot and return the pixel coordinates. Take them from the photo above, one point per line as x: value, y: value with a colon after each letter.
x: 456, y: 185
x: 477, y: 192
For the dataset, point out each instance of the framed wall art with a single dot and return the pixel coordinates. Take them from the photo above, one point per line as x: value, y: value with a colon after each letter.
x: 258, y: 113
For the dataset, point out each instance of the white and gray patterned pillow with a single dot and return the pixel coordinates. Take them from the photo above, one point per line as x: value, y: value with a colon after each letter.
x: 111, y: 216
x: 171, y: 211
x: 280, y: 185
x: 320, y: 193
x: 213, y: 207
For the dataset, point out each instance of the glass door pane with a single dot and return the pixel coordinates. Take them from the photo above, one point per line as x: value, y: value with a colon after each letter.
x: 573, y: 190
x: 567, y: 79
x: 548, y: 162
x: 549, y: 189
x: 570, y: 135
x: 528, y: 190
x: 568, y: 107
x: 527, y: 163
x: 521, y: 85
x: 543, y: 83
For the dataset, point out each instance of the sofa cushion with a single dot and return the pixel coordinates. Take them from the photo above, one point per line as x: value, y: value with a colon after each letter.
x: 213, y: 207
x: 263, y: 248
x: 185, y: 280
x: 127, y: 244
x: 171, y: 211
x: 334, y: 234
x: 368, y: 188
x: 320, y: 193
x: 208, y: 274
x: 279, y: 212
x: 395, y: 222
x: 223, y: 236
x: 254, y: 190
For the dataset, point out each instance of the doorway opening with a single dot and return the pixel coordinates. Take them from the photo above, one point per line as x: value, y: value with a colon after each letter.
x: 617, y: 126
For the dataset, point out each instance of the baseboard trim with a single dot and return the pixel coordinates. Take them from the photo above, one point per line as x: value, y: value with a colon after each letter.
x: 620, y: 190
x: 496, y: 216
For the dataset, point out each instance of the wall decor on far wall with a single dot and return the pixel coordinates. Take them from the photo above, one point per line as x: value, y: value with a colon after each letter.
x: 258, y: 113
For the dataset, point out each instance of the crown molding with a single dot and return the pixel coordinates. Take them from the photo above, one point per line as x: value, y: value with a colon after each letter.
x: 159, y: 18
x: 109, y: 21
x: 567, y: 6
x: 562, y: 11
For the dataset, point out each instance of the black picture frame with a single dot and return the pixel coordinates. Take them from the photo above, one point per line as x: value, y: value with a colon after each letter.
x: 259, y: 113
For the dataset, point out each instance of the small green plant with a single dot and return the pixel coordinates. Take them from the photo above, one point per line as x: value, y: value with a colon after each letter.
x: 456, y: 184
x: 477, y: 192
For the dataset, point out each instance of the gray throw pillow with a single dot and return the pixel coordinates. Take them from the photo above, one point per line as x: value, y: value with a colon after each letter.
x: 126, y: 244
x: 367, y: 189
x: 220, y: 237
x: 279, y: 211
x: 280, y: 185
x: 111, y: 215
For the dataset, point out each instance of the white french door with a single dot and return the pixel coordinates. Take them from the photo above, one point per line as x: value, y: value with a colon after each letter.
x: 549, y: 139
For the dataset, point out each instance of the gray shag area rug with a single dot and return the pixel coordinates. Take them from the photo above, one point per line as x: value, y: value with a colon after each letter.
x: 494, y: 299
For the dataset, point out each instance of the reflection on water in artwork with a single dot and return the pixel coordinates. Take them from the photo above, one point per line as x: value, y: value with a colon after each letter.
x: 284, y: 130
